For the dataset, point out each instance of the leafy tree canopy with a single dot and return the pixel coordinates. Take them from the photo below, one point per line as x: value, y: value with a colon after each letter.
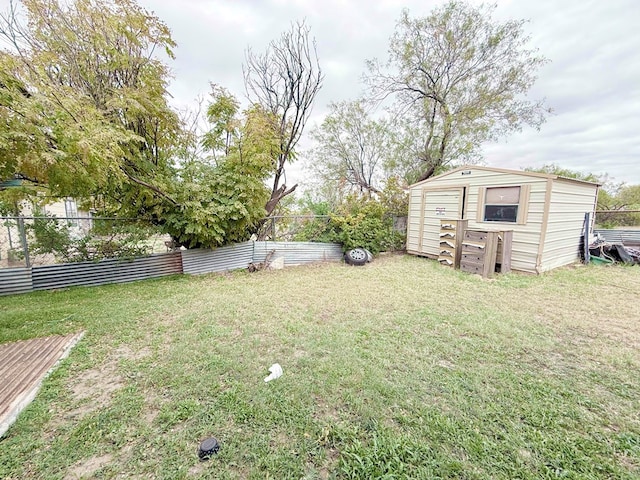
x: 84, y: 110
x: 458, y: 78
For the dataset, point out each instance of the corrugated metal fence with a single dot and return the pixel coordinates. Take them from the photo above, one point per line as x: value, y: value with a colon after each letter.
x: 242, y: 254
x: 15, y: 280
x: 64, y: 275
x: 296, y: 253
x: 233, y: 257
x: 626, y: 237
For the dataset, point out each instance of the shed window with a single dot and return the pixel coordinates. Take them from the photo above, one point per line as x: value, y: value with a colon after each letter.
x: 501, y: 204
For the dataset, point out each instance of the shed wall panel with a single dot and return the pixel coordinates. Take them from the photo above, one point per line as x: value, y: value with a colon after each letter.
x: 569, y: 202
x: 413, y: 219
x: 439, y: 205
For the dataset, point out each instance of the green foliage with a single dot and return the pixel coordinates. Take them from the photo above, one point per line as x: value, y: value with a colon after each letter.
x: 358, y: 222
x: 555, y: 169
x: 352, y: 148
x: 614, y: 207
x: 48, y: 235
x: 394, y: 198
x: 361, y: 222
x: 84, y: 111
x: 221, y: 113
x: 217, y: 205
x: 86, y: 102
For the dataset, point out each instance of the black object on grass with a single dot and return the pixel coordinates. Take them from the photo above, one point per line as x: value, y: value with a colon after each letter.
x: 208, y: 447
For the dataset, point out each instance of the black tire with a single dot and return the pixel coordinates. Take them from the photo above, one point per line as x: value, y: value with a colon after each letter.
x: 356, y: 256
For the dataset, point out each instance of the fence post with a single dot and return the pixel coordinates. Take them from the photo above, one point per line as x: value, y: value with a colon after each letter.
x: 23, y: 240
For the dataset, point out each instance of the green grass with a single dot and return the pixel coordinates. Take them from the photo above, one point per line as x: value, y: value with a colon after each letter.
x: 400, y: 369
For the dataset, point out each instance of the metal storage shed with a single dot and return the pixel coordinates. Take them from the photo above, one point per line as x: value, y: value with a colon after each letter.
x: 546, y: 212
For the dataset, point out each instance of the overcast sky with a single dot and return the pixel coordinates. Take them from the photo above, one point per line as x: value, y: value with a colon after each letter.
x: 592, y: 82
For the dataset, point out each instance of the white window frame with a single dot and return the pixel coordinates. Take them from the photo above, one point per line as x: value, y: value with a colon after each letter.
x: 523, y: 205
x: 71, y: 211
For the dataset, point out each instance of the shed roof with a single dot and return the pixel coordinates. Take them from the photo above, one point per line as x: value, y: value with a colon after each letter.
x: 507, y: 171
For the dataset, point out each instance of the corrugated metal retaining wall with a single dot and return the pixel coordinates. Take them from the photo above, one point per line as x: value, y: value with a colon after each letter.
x: 233, y: 257
x: 241, y: 255
x: 296, y: 253
x: 15, y: 280
x: 626, y: 237
x: 221, y: 259
x: 105, y: 271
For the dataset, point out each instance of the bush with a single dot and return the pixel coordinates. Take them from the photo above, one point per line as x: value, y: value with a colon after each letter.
x: 365, y: 223
x: 358, y: 222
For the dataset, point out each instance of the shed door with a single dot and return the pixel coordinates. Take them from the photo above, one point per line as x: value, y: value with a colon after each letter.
x: 439, y: 205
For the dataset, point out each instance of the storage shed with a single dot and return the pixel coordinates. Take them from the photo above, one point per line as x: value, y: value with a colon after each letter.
x: 545, y: 212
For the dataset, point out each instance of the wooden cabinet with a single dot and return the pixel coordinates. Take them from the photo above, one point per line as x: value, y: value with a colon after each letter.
x: 451, y: 233
x: 481, y: 250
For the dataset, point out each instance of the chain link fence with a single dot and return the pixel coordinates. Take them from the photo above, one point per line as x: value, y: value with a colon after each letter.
x: 617, y: 218
x: 27, y: 241
x: 46, y: 240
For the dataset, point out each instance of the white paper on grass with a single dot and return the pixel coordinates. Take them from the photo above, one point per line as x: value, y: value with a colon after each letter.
x: 276, y: 372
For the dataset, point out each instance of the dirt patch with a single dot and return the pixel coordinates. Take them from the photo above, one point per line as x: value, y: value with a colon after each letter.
x: 198, y: 469
x: 128, y: 353
x: 330, y: 464
x: 94, y: 388
x: 87, y: 468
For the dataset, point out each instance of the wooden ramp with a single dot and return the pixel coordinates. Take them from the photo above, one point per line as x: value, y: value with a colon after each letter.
x: 23, y: 366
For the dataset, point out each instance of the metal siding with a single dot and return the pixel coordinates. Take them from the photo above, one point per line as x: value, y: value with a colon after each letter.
x: 626, y: 237
x: 105, y: 271
x: 22, y: 280
x: 232, y: 257
x: 15, y: 280
x: 526, y: 238
x: 297, y: 253
x: 413, y: 220
x: 450, y: 201
x: 569, y: 202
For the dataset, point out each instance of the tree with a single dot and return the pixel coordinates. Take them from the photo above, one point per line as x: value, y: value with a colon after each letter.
x: 84, y: 110
x: 86, y: 99
x: 351, y: 148
x: 285, y: 80
x: 458, y: 78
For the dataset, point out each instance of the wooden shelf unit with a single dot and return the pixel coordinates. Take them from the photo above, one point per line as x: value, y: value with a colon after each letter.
x: 481, y: 250
x: 451, y: 233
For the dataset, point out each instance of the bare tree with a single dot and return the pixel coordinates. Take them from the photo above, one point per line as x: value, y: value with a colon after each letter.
x: 285, y: 80
x: 352, y: 148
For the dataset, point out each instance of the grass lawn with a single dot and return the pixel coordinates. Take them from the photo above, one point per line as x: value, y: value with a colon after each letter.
x: 400, y: 369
